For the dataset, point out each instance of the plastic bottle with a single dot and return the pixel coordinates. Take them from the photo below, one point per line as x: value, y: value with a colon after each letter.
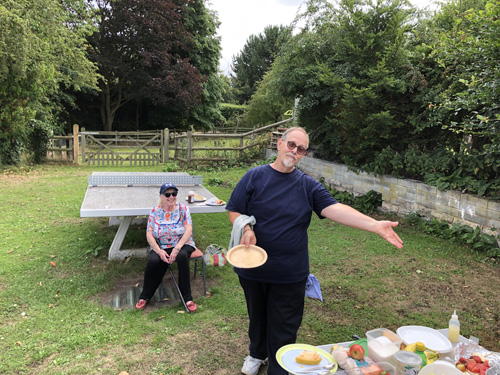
x: 420, y: 350
x: 454, y: 328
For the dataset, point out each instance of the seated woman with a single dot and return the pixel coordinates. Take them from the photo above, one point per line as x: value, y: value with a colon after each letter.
x: 170, y: 235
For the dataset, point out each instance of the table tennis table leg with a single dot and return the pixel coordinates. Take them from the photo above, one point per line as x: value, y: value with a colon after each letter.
x: 114, y: 250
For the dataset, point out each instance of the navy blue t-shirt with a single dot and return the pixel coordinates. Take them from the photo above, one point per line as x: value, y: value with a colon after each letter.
x: 282, y: 204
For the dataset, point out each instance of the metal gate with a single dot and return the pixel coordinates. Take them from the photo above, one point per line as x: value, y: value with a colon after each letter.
x: 122, y: 148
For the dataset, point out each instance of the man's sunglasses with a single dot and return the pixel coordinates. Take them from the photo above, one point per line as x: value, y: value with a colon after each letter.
x: 174, y: 194
x: 300, y: 150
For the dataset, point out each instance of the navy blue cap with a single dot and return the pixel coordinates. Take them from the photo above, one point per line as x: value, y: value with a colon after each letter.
x: 167, y: 185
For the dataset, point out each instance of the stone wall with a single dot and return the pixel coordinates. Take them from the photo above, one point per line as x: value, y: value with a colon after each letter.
x: 407, y: 196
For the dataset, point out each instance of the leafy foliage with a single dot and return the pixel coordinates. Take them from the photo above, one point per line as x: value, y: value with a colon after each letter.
x: 42, y: 50
x: 202, y: 24
x: 389, y: 90
x: 39, y: 135
x: 483, y: 243
x: 346, y: 68
x: 233, y: 114
x: 468, y: 49
x: 143, y: 51
x: 256, y: 58
x: 265, y: 107
x: 367, y: 203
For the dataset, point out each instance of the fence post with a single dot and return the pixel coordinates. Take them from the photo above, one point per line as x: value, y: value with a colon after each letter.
x: 189, y: 145
x: 176, y: 144
x: 84, y: 141
x: 241, y: 147
x: 76, y: 145
x: 166, y: 150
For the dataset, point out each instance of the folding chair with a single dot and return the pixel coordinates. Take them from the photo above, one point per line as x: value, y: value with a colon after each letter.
x: 195, y: 255
x: 198, y: 255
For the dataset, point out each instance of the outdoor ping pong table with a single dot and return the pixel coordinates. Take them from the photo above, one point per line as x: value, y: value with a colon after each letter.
x: 128, y: 195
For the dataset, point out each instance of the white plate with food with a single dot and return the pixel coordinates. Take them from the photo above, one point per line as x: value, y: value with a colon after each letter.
x: 215, y: 202
x: 198, y: 198
x: 286, y: 357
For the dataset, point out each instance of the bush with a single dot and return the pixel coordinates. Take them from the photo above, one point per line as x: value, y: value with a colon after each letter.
x: 368, y: 203
x: 483, y: 243
x: 232, y: 111
x: 10, y: 151
x: 39, y: 134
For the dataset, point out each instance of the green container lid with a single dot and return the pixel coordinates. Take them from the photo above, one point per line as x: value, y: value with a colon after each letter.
x: 363, y: 343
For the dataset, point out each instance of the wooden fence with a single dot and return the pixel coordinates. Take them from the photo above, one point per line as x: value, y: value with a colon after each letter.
x: 122, y: 148
x: 156, y: 147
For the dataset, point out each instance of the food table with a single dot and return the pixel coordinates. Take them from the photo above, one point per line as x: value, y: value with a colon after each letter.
x: 466, y: 352
x: 346, y: 344
x: 132, y: 194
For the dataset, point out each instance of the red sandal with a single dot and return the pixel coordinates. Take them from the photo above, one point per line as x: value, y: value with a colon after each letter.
x: 141, y: 304
x: 191, y: 306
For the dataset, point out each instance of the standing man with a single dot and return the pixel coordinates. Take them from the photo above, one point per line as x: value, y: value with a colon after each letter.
x: 281, y: 199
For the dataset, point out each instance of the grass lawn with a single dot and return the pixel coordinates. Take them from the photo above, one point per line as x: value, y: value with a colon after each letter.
x: 52, y: 322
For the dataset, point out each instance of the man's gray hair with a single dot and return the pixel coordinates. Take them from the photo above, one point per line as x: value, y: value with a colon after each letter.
x: 289, y: 130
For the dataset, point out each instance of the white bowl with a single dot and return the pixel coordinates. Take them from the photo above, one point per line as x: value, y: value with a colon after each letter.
x: 431, y: 338
x: 440, y: 368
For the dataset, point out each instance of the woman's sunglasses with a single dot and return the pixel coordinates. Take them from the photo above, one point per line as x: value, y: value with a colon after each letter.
x: 173, y: 194
x: 300, y: 150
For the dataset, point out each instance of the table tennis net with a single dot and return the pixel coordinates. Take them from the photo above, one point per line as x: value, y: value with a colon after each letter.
x: 99, y: 180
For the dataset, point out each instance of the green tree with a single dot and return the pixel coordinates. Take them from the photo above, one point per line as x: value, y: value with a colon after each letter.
x: 256, y: 58
x: 267, y: 105
x: 347, y: 67
x: 202, y: 24
x: 143, y: 52
x: 42, y: 50
x: 467, y: 49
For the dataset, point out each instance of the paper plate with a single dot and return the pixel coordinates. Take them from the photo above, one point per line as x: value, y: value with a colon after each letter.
x: 431, y: 338
x: 246, y: 257
x: 286, y: 358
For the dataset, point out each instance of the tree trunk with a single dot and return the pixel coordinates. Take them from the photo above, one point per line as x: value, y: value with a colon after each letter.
x: 109, y: 106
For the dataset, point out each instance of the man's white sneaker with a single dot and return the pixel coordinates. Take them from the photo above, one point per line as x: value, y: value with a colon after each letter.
x: 251, y: 365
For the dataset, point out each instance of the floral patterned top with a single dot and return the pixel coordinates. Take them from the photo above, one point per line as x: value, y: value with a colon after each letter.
x: 169, y: 227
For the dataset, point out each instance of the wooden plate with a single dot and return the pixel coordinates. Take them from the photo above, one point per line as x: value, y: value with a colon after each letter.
x: 247, y: 257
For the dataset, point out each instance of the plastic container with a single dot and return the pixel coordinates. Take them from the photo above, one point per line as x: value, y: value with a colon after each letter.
x: 363, y: 342
x: 428, y: 356
x: 407, y: 363
x: 191, y: 197
x: 440, y: 368
x: 454, y: 328
x: 373, y: 369
x: 382, y: 345
x: 387, y: 367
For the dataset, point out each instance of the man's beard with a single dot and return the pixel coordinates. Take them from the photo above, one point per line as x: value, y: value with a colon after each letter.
x: 289, y: 163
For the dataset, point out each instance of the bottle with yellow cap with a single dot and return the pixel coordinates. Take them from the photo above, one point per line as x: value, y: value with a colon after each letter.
x: 428, y: 356
x: 420, y: 350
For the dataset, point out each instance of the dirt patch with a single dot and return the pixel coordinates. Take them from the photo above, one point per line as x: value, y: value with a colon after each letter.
x: 125, y: 293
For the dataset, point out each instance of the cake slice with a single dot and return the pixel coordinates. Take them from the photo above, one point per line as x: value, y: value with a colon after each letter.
x: 307, y: 357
